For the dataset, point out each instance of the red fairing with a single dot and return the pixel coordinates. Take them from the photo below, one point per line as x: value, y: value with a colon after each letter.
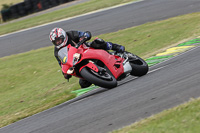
x: 113, y: 62
x: 71, y: 51
x: 91, y: 66
x: 65, y: 67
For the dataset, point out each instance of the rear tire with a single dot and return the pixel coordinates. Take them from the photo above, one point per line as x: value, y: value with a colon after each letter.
x: 139, y: 67
x: 87, y: 74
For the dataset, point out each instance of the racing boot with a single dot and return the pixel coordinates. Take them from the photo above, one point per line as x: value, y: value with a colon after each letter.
x: 116, y: 47
x: 84, y: 83
x: 101, y: 44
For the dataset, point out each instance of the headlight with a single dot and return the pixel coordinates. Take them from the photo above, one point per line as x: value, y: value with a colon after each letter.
x: 70, y: 70
x: 76, y: 58
x: 77, y: 55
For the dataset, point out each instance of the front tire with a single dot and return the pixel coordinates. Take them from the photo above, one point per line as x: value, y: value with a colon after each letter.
x: 93, y: 77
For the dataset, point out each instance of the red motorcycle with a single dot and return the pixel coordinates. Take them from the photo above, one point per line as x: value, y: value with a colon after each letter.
x: 100, y: 67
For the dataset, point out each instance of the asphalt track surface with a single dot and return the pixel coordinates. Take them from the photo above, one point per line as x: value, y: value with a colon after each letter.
x: 99, y: 23
x: 166, y: 85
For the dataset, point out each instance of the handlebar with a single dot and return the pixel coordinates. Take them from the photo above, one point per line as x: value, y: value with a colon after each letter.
x: 80, y: 43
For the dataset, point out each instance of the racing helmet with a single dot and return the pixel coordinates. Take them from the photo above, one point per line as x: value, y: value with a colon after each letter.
x: 58, y: 37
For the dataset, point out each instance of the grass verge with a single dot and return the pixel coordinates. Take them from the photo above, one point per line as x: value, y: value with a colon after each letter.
x: 32, y: 82
x: 86, y: 7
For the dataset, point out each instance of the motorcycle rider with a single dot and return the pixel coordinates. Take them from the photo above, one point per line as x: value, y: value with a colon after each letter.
x: 61, y: 39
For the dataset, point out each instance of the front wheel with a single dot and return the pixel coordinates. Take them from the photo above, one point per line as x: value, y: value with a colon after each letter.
x: 105, y: 80
x: 139, y: 67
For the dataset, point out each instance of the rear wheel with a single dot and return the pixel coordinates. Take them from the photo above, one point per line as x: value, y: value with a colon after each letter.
x: 104, y: 79
x: 139, y: 67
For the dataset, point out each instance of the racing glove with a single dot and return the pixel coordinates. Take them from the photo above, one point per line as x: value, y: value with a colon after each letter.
x: 67, y: 76
x: 86, y: 35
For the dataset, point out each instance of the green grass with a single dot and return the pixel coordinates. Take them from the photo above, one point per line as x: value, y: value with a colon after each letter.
x: 31, y: 82
x: 60, y: 14
x: 181, y: 119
